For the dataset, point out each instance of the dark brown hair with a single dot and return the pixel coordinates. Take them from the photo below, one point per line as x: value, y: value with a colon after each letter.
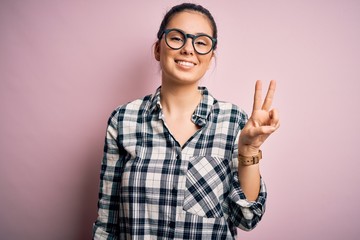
x: 183, y: 7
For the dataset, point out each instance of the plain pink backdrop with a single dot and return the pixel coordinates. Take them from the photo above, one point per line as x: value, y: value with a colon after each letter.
x: 65, y: 65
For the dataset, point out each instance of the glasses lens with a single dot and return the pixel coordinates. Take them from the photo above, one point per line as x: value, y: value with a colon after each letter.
x: 203, y: 44
x: 175, y: 39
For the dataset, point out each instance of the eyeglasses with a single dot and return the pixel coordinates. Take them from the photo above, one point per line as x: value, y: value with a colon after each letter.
x: 176, y: 39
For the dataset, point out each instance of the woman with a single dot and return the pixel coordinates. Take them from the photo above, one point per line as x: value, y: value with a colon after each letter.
x: 180, y: 164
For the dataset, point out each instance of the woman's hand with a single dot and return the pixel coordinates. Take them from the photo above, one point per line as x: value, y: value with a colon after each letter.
x: 262, y: 122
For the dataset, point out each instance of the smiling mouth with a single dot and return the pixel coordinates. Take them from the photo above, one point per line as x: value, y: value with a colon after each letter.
x: 185, y: 64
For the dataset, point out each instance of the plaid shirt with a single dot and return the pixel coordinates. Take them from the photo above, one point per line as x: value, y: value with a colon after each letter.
x: 153, y: 188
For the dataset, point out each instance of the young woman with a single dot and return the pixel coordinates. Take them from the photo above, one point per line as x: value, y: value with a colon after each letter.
x: 180, y: 164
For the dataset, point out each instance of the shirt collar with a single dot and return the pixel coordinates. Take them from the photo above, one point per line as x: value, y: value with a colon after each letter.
x: 201, y: 112
x: 155, y: 104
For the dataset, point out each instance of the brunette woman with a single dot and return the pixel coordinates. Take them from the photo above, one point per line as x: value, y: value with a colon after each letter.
x: 180, y: 164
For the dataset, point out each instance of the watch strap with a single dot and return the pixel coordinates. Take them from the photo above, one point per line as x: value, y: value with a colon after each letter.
x: 251, y: 160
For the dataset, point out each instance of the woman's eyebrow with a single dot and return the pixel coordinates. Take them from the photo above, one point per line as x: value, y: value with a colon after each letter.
x: 199, y: 33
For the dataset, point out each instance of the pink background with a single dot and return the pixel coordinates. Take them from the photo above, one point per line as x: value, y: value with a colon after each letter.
x: 65, y: 65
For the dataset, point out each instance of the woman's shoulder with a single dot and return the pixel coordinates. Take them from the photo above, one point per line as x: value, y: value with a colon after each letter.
x: 230, y: 109
x: 221, y: 108
x: 133, y: 108
x: 229, y: 113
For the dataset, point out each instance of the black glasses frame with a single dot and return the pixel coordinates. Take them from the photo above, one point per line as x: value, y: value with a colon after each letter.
x: 187, y: 35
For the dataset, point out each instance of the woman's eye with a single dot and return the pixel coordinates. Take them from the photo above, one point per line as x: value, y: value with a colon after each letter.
x: 202, y: 43
x: 177, y: 39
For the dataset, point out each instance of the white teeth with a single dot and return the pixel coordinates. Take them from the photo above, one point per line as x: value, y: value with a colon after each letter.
x: 187, y: 64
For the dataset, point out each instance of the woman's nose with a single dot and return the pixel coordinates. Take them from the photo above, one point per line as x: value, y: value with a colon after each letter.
x: 188, y: 47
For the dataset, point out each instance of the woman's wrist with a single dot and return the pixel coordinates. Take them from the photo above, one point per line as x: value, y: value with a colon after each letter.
x: 247, y: 150
x: 250, y: 160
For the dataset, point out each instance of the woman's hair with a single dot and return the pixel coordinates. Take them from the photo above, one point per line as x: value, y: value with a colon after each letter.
x: 183, y: 7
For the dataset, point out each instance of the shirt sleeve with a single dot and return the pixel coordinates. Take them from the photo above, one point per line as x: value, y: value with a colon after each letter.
x: 244, y: 214
x: 106, y: 225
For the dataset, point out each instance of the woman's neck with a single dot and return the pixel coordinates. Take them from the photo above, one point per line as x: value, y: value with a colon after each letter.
x: 179, y: 100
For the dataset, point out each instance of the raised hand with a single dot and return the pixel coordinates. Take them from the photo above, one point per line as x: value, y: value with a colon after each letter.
x: 262, y: 122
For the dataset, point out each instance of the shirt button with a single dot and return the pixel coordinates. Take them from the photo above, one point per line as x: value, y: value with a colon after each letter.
x: 171, y: 224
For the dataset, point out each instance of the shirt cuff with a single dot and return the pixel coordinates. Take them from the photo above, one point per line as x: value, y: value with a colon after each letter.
x: 246, y: 214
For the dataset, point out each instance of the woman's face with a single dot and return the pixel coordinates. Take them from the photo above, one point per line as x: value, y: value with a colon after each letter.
x: 184, y: 66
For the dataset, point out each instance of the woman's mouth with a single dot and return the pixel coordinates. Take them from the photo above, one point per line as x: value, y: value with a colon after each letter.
x: 185, y: 63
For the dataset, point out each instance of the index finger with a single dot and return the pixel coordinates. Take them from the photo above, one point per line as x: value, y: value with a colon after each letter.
x: 269, y: 96
x: 257, y: 96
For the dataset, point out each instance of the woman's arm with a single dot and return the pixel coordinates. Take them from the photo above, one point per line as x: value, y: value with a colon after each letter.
x: 258, y: 128
x: 107, y: 225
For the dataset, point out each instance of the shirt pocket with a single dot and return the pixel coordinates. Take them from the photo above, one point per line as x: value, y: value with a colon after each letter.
x: 207, y: 186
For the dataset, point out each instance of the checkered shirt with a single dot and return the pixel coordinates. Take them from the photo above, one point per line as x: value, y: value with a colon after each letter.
x: 153, y: 188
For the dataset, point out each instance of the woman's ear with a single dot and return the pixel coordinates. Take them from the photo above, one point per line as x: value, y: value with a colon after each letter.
x: 212, y: 59
x: 157, y: 50
x: 213, y: 54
